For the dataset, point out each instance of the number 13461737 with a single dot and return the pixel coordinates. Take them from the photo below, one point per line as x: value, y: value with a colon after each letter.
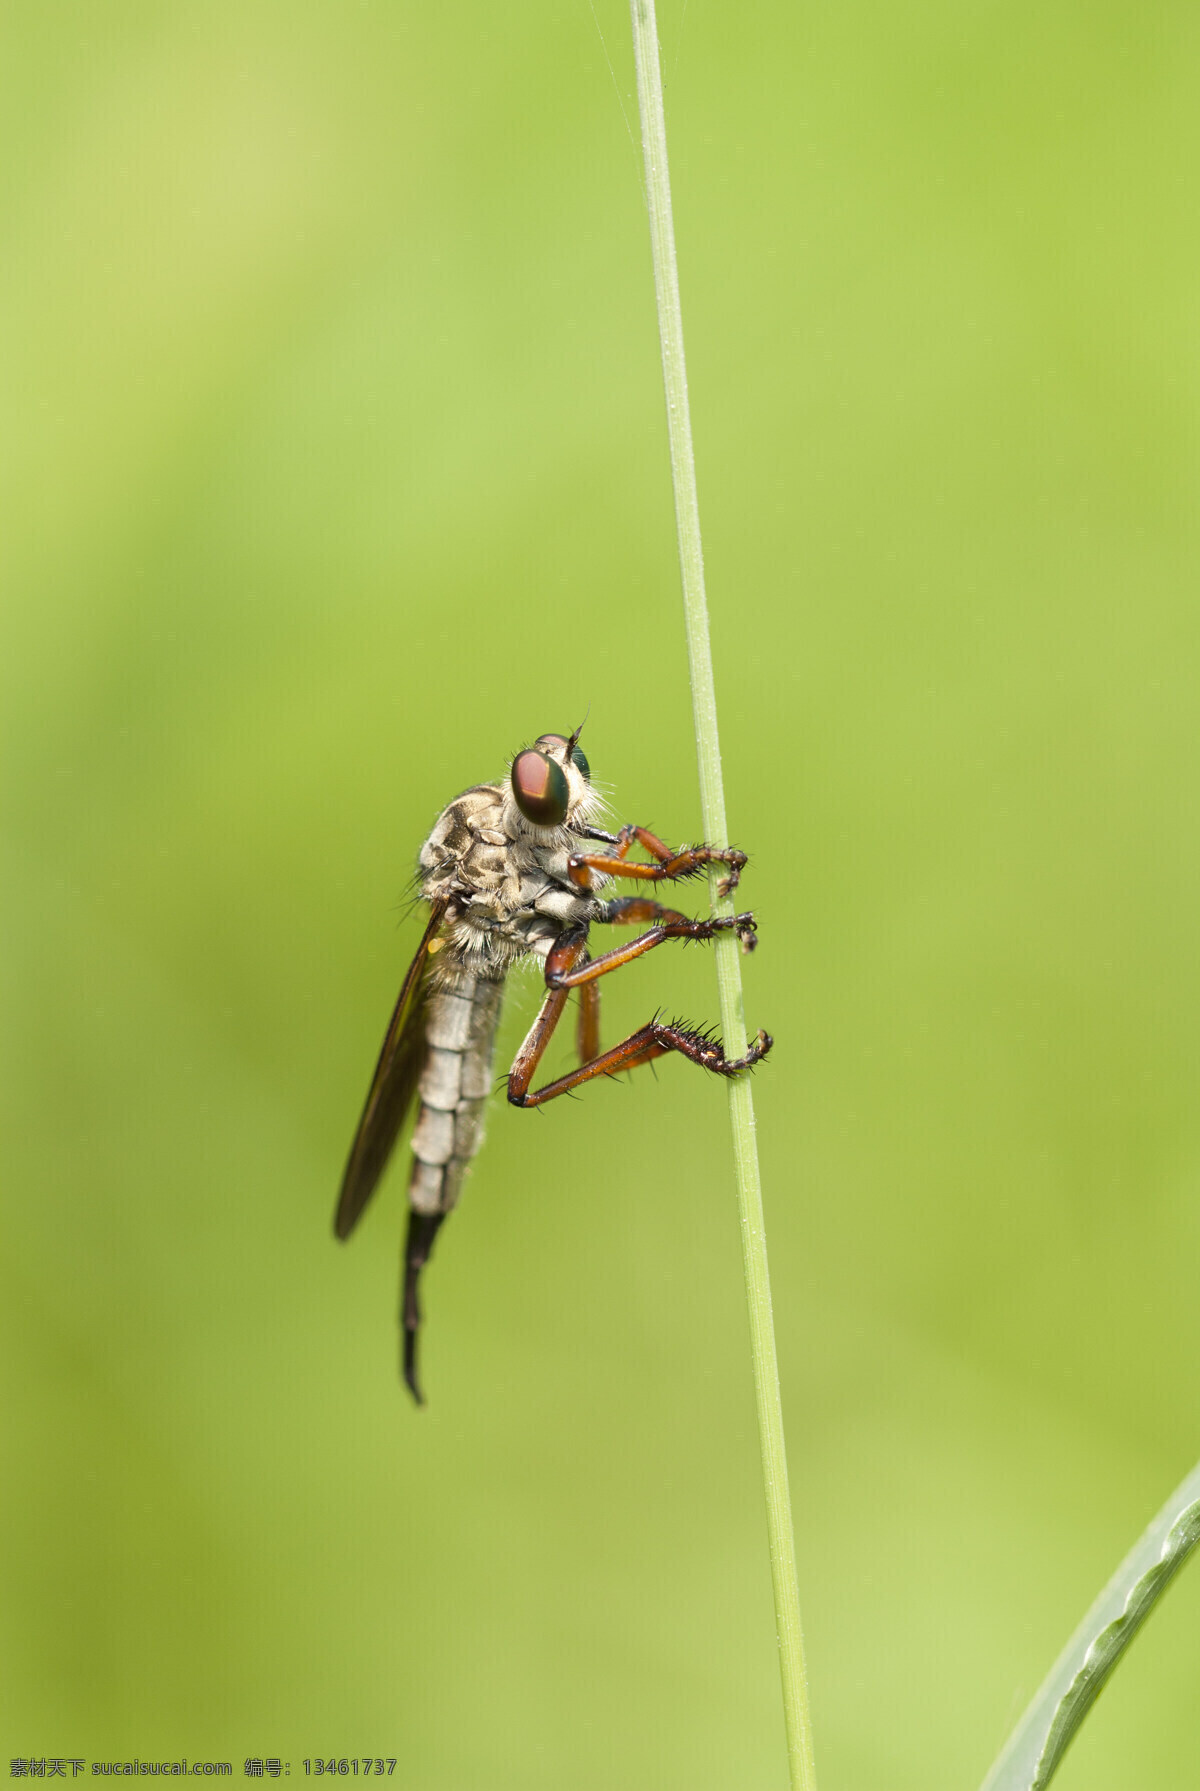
x: 365, y: 1766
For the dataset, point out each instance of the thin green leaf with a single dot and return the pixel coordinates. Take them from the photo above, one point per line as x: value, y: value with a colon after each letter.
x: 780, y: 1538
x: 1036, y: 1746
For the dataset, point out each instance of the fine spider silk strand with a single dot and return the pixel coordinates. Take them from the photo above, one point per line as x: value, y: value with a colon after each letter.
x: 729, y: 980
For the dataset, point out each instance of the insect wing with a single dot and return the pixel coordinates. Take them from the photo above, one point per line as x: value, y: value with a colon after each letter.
x: 392, y: 1088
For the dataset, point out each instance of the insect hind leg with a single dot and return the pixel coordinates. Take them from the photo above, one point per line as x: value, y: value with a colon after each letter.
x: 653, y: 1040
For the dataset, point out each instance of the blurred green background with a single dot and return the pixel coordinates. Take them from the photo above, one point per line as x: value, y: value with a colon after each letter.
x: 335, y: 471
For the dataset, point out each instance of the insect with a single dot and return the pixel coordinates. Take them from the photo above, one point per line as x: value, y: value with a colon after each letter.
x: 508, y: 875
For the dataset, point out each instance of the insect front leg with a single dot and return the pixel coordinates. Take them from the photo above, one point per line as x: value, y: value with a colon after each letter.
x: 667, y: 866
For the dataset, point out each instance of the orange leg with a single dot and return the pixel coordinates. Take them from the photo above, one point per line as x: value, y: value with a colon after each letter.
x: 587, y: 1033
x: 559, y: 976
x: 668, y: 865
x: 566, y: 959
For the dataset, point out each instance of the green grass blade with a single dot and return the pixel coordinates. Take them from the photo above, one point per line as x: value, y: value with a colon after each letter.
x: 704, y: 706
x: 1033, y: 1751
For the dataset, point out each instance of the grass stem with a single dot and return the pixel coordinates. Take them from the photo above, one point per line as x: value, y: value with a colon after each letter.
x: 712, y: 798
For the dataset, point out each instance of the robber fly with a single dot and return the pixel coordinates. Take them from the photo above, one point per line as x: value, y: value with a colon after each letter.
x: 508, y: 875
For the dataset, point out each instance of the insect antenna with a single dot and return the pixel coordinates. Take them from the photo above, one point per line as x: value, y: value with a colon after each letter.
x: 573, y: 741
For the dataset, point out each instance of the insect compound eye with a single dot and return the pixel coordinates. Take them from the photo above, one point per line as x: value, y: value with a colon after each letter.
x: 578, y: 757
x: 539, y: 788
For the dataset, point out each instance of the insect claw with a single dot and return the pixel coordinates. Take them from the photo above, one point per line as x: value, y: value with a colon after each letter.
x: 737, y: 863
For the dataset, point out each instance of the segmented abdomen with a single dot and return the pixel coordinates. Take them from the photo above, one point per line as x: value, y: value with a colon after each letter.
x: 460, y: 1030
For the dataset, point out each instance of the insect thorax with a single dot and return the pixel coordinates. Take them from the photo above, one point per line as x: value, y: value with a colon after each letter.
x: 506, y: 883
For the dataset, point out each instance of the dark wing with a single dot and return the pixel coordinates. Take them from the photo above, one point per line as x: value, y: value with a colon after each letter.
x: 392, y: 1088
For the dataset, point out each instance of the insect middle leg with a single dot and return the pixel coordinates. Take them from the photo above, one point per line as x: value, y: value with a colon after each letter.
x: 587, y: 1030
x: 564, y: 971
x: 637, y: 910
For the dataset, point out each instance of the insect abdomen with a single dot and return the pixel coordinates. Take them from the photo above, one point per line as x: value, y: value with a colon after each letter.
x: 460, y: 1029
